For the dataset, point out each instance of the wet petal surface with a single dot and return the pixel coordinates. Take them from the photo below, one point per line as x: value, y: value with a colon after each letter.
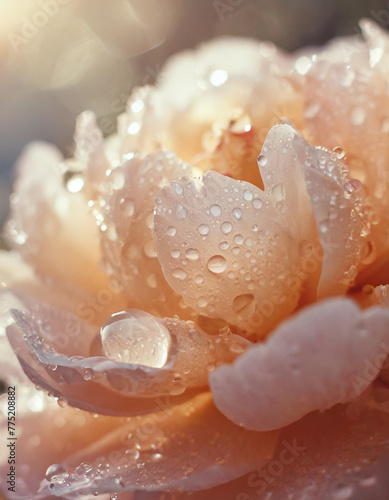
x: 278, y: 382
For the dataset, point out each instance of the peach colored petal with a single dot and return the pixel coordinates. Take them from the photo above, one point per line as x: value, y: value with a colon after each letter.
x: 280, y: 381
x: 323, y: 456
x: 142, y: 127
x: 49, y: 225
x: 373, y: 296
x: 204, y: 86
x: 47, y: 434
x: 194, y: 447
x: 225, y: 248
x: 89, y: 155
x: 347, y: 107
x: 233, y: 151
x: 293, y: 169
x: 54, y: 349
x: 126, y: 221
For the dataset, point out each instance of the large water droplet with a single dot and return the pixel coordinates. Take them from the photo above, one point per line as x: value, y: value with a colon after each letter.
x: 217, y: 264
x: 136, y: 337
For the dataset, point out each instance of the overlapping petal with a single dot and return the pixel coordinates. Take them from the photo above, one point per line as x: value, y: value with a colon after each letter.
x: 347, y: 107
x: 58, y: 352
x: 283, y: 379
x: 166, y: 451
x: 126, y: 222
x: 328, y: 455
x: 50, y: 222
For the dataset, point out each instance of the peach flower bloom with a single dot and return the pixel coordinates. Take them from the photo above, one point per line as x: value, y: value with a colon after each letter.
x: 223, y: 329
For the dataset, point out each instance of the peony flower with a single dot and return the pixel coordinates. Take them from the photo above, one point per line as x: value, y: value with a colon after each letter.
x: 205, y: 293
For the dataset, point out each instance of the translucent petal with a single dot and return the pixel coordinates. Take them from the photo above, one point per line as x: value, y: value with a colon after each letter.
x: 280, y: 381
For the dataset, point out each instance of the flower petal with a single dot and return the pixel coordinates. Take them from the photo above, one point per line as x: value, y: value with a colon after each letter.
x: 47, y: 434
x: 295, y: 169
x: 226, y: 249
x: 166, y: 450
x: 280, y: 381
x: 347, y: 107
x: 323, y: 456
x: 53, y: 348
x: 126, y: 220
x: 49, y: 224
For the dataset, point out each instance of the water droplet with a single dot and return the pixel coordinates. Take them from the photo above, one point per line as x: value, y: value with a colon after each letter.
x: 54, y: 470
x: 352, y: 273
x: 352, y: 185
x: 215, y: 210
x: 236, y: 348
x: 178, y: 188
x: 137, y: 106
x: 203, y: 229
x: 136, y: 337
x: 262, y: 160
x: 156, y: 457
x: 223, y: 245
x: 85, y: 469
x: 178, y: 387
x: 238, y: 239
x: 181, y: 212
x: 248, y: 195
x: 244, y: 305
x: 74, y: 181
x: 217, y: 264
x: 133, y: 128
x: 62, y: 402
x: 257, y: 203
x: 192, y: 254
x: 237, y: 213
x: 339, y: 152
x: 202, y: 302
x: 178, y: 273
x: 279, y: 192
x: 175, y: 253
x: 218, y: 77
x: 171, y: 231
x: 357, y: 116
x: 303, y: 65
x: 198, y: 279
x: 226, y: 227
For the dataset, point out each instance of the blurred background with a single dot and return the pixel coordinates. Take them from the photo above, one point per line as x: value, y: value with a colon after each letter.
x: 60, y: 57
